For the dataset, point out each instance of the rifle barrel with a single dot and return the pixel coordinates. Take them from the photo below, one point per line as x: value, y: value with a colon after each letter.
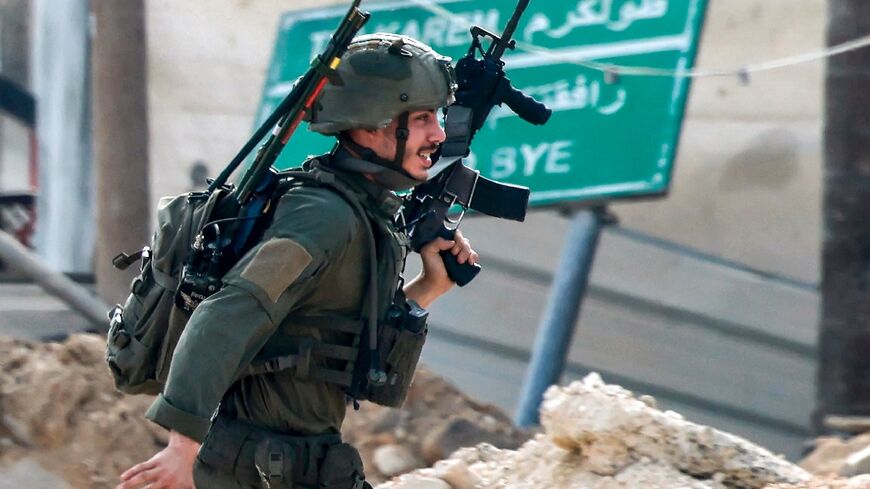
x: 509, y: 29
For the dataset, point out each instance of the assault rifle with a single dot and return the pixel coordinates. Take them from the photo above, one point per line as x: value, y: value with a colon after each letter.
x: 482, y: 85
x: 216, y: 249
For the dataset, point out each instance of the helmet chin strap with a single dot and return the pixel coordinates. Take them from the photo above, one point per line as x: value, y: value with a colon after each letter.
x: 401, y: 139
x: 368, y: 154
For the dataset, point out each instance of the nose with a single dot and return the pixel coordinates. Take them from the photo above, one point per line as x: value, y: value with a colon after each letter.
x: 437, y: 134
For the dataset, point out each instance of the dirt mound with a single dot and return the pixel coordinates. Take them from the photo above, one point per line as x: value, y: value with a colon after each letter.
x: 59, y: 409
x: 61, y: 417
x: 600, y: 436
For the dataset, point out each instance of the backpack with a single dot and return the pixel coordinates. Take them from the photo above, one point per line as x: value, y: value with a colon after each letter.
x: 144, y: 332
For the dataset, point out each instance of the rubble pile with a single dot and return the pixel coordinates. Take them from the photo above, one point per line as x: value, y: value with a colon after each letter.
x: 436, y: 420
x: 600, y: 436
x: 62, y: 423
x: 60, y: 413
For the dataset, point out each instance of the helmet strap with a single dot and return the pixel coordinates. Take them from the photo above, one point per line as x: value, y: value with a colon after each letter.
x: 351, y: 156
x: 401, y: 138
x: 368, y: 154
x: 364, y: 153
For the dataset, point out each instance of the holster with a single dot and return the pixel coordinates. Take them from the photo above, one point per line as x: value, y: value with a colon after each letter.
x: 272, y: 460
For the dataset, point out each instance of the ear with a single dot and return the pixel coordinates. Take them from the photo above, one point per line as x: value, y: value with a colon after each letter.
x: 361, y: 136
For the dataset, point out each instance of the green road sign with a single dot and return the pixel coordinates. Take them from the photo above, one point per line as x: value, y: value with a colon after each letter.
x: 609, y: 137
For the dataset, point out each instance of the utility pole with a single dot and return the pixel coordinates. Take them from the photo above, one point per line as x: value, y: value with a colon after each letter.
x: 120, y: 138
x: 14, y: 35
x: 65, y: 225
x: 843, y: 380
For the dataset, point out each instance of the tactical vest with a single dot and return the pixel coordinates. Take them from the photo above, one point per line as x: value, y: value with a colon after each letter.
x: 376, y: 367
x: 383, y: 345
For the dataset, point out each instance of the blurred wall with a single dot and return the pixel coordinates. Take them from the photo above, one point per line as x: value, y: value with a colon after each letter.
x: 207, y: 66
x: 747, y: 181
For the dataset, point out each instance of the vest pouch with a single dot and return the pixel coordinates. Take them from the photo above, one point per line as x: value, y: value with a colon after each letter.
x: 133, y: 344
x: 402, y: 344
x: 261, y: 458
x: 342, y: 468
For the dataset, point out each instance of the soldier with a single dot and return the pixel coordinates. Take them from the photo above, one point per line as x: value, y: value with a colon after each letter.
x: 276, y: 429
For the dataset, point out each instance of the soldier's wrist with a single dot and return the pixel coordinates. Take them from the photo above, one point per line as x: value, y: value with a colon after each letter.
x: 183, y: 442
x: 424, y: 289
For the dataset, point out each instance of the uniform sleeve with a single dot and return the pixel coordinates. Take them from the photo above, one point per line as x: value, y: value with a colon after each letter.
x: 312, y: 227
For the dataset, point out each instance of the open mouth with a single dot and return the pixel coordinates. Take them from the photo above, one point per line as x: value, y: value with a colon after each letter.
x: 425, y: 155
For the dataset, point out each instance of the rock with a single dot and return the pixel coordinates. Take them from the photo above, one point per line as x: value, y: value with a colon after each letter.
x: 856, y: 464
x: 20, y: 431
x: 613, y: 430
x: 600, y: 436
x: 649, y: 401
x: 457, y: 474
x: 388, y: 420
x: 859, y: 482
x: 416, y: 482
x: 457, y: 433
x: 392, y: 460
x: 29, y: 474
x: 831, y: 453
x: 430, y: 401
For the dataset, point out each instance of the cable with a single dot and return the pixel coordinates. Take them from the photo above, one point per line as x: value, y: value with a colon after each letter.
x: 619, y: 70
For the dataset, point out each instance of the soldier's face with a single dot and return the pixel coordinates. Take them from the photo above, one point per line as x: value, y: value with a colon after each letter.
x: 425, y: 134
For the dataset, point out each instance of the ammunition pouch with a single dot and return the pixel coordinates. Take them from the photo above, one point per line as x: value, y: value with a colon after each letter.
x: 400, y: 342
x: 259, y: 457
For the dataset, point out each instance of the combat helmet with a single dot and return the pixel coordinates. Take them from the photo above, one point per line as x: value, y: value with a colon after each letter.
x: 383, y: 77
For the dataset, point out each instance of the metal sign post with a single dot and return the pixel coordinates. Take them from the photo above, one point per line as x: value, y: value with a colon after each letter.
x: 563, y: 307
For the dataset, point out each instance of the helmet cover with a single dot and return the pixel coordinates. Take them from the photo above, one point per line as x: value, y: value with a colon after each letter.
x: 383, y: 75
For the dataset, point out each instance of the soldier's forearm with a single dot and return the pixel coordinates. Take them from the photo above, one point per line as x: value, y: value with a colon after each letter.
x: 423, y: 291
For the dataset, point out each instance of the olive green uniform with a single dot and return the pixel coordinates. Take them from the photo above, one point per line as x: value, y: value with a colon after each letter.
x: 312, y: 261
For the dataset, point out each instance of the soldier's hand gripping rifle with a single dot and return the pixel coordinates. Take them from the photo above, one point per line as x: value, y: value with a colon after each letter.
x: 482, y: 85
x: 211, y: 256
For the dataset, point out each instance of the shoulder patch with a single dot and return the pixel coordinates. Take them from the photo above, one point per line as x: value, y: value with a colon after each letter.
x: 277, y: 264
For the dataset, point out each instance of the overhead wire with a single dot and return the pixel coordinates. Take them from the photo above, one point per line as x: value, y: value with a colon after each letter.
x: 620, y: 70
